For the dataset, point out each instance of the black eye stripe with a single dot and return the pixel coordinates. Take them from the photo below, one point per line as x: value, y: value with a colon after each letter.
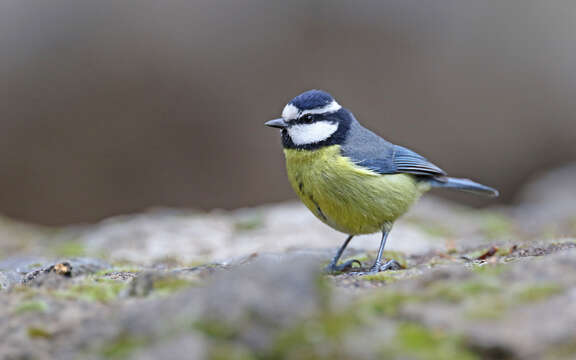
x: 304, y: 119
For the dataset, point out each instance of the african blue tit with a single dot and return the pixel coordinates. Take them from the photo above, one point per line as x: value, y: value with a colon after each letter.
x: 350, y: 178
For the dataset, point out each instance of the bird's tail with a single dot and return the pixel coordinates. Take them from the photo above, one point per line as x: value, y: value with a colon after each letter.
x: 463, y: 185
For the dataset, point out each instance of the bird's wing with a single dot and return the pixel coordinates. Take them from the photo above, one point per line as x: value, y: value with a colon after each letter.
x: 401, y: 160
x: 407, y: 161
x: 369, y: 150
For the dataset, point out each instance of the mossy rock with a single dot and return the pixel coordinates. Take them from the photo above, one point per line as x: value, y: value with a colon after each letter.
x: 31, y: 306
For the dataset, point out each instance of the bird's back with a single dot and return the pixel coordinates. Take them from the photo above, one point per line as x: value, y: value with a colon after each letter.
x: 369, y: 150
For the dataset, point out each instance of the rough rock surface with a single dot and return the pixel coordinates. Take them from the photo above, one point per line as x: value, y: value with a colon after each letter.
x: 247, y: 284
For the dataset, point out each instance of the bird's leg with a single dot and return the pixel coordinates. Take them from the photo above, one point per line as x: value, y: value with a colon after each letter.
x: 333, y: 267
x: 390, y: 264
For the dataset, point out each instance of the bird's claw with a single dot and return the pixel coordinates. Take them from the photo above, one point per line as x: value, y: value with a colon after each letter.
x: 344, y: 267
x: 389, y: 265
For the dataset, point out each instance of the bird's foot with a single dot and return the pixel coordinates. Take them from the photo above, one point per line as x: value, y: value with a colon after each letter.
x: 389, y: 265
x: 344, y: 267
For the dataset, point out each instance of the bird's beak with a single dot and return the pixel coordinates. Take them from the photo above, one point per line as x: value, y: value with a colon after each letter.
x: 276, y: 123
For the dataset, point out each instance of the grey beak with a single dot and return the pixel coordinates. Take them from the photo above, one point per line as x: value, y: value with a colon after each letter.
x: 276, y: 123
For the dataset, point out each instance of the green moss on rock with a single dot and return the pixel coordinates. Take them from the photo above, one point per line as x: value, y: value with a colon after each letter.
x: 428, y: 344
x: 317, y: 338
x: 122, y: 346
x: 169, y: 285
x: 538, y: 292
x: 388, y: 303
x: 489, y: 270
x: 216, y: 330
x: 99, y: 290
x: 386, y: 277
x: 31, y: 306
x: 228, y: 351
x: 457, y: 292
x: 37, y: 332
x: 486, y: 308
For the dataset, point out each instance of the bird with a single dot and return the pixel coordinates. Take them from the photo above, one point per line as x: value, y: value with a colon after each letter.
x: 351, y: 178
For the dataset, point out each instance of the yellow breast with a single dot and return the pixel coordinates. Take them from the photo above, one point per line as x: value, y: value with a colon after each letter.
x: 349, y: 198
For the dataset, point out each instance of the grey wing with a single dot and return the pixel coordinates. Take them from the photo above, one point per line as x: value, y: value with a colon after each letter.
x: 369, y: 150
x: 407, y: 161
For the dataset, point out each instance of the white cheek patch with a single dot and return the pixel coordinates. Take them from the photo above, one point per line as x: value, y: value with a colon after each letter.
x: 290, y: 112
x: 304, y: 134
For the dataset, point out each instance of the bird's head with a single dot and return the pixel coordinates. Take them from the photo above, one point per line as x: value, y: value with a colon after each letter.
x: 311, y: 120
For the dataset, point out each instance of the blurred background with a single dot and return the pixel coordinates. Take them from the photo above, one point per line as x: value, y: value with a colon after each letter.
x: 114, y: 106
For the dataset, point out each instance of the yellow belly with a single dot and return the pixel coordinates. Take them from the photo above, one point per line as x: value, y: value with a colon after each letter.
x: 346, y: 197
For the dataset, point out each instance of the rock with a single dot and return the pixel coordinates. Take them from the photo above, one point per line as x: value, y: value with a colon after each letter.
x: 141, y: 285
x: 247, y: 284
x: 54, y: 273
x: 184, y: 347
x: 182, y: 237
x: 154, y: 237
x: 291, y: 289
x: 8, y: 279
x: 523, y: 312
x: 41, y: 272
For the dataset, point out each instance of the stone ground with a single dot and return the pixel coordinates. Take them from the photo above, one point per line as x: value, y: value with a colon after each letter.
x: 246, y: 284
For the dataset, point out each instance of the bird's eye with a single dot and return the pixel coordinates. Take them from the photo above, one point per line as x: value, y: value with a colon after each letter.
x: 306, y: 118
